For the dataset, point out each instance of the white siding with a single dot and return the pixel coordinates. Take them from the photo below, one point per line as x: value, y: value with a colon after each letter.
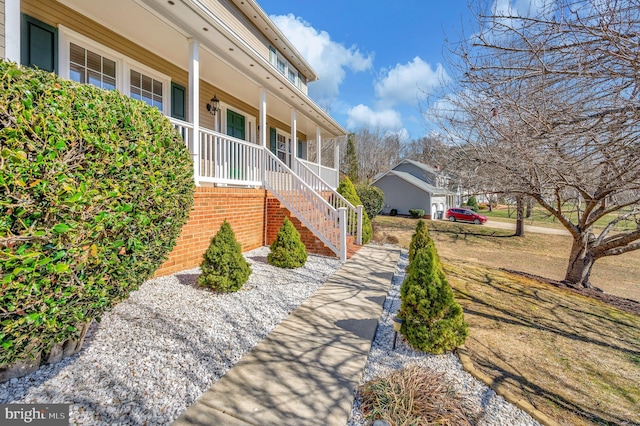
x: 1, y: 28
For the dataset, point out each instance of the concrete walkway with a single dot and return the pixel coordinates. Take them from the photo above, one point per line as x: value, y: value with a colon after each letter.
x: 305, y: 372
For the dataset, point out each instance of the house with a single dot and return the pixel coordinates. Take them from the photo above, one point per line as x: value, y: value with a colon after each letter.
x: 232, y: 85
x: 413, y: 185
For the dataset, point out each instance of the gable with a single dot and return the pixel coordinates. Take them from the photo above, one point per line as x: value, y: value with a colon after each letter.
x: 417, y: 172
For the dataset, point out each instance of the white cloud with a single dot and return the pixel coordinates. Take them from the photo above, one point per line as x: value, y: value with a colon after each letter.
x: 410, y: 82
x: 328, y: 58
x: 362, y: 116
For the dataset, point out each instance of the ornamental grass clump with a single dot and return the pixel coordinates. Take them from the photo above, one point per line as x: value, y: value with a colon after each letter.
x: 348, y: 191
x: 433, y: 320
x: 288, y: 250
x: 413, y: 395
x: 94, y: 190
x: 224, y: 268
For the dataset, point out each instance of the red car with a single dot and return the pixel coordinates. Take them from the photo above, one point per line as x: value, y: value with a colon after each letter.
x: 465, y: 215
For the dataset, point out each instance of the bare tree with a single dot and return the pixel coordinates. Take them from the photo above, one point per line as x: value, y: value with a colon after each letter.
x: 377, y: 151
x: 549, y: 103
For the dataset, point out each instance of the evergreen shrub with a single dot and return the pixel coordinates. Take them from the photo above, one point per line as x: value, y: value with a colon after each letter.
x: 224, y: 268
x: 94, y: 190
x: 416, y: 213
x: 288, y: 250
x: 348, y: 191
x: 472, y: 203
x: 372, y: 199
x: 433, y: 320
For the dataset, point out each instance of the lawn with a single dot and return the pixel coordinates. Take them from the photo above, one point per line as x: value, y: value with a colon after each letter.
x: 541, y: 217
x: 574, y: 358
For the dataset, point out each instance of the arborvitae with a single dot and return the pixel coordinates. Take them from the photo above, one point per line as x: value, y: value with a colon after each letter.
x: 224, y: 268
x: 348, y: 191
x: 420, y: 239
x: 351, y: 160
x: 288, y: 250
x: 433, y: 320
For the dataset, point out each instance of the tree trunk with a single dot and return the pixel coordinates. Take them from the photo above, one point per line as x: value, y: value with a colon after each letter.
x: 580, y: 262
x: 529, y: 208
x: 520, y: 216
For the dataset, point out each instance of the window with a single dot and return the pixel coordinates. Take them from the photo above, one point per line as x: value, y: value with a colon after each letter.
x: 86, y: 61
x: 147, y: 89
x: 285, y: 68
x: 86, y: 66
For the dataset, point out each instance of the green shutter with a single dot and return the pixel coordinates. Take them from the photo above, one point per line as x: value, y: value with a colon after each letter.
x: 235, y: 124
x: 273, y: 140
x: 299, y: 152
x: 39, y: 44
x: 178, y: 102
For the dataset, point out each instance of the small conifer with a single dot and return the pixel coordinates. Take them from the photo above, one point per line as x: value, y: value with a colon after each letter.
x: 348, y: 191
x: 433, y: 320
x: 288, y: 250
x: 224, y: 268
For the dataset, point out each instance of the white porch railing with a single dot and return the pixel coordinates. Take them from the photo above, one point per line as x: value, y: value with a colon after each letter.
x: 354, y: 213
x: 224, y: 160
x: 325, y: 221
x: 329, y: 175
x: 230, y: 161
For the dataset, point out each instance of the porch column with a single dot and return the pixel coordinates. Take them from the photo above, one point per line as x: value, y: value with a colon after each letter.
x: 194, y: 102
x: 263, y: 131
x: 12, y: 30
x: 318, y: 150
x: 294, y: 140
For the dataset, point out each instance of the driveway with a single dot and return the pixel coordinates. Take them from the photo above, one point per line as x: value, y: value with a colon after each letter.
x: 527, y: 228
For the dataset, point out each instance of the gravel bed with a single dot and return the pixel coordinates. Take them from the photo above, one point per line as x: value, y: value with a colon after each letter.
x: 488, y: 407
x: 154, y: 354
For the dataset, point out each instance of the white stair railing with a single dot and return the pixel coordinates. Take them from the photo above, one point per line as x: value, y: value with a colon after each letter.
x: 354, y: 213
x: 324, y: 220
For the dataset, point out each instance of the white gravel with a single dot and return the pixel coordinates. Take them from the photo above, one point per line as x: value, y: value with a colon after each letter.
x: 154, y: 354
x: 487, y: 407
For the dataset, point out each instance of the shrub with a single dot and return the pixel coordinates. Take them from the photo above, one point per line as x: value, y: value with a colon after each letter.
x: 372, y: 199
x: 95, y: 188
x: 224, y: 268
x: 433, y: 320
x: 413, y: 395
x: 393, y: 212
x: 348, y: 191
x: 416, y: 213
x: 472, y: 203
x: 420, y: 239
x: 288, y: 250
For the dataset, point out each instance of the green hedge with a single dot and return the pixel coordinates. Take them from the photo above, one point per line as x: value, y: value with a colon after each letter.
x: 372, y: 199
x: 95, y: 188
x: 348, y: 191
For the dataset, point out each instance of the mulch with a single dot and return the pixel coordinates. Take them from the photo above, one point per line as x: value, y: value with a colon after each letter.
x: 627, y: 305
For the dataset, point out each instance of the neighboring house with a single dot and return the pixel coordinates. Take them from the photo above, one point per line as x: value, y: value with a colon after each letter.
x: 234, y: 87
x: 413, y: 185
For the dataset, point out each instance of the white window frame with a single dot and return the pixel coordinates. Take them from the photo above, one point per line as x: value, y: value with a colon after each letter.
x: 124, y: 64
x: 274, y: 57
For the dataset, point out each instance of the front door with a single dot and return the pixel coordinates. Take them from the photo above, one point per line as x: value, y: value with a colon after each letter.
x: 235, y: 125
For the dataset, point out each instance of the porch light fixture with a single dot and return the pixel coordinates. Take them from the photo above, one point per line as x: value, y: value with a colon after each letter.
x: 214, y: 105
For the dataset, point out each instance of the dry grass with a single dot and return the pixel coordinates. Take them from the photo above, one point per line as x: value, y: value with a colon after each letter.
x: 572, y: 357
x: 413, y: 396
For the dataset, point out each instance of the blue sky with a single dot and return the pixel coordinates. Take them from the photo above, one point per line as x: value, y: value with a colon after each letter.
x: 375, y: 59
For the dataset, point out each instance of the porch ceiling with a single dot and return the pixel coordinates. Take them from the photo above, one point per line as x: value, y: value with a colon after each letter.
x: 225, y: 61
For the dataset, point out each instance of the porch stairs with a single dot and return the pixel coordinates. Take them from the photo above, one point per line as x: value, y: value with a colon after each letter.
x: 334, y: 221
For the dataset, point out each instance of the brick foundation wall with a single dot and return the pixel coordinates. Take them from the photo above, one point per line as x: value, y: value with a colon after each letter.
x: 244, y: 210
x: 276, y: 214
